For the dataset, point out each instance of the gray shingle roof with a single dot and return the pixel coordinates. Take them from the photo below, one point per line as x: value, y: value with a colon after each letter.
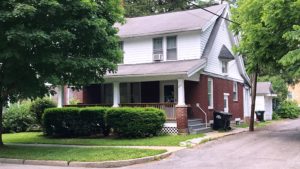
x: 180, y: 67
x: 264, y: 88
x: 225, y: 54
x: 169, y: 22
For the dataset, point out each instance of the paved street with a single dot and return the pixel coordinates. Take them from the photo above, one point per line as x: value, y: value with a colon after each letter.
x: 277, y: 146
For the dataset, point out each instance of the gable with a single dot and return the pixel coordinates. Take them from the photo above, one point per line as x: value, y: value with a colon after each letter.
x: 220, y: 47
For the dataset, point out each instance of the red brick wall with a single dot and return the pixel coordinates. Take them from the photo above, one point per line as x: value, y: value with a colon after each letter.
x: 196, y: 92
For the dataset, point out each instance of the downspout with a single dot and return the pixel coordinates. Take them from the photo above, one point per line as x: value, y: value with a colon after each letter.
x: 205, y: 114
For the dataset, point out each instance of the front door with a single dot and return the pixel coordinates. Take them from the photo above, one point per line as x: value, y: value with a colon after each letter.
x: 168, y: 92
x: 226, y: 108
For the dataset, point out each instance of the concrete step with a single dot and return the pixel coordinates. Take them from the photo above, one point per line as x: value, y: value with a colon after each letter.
x: 196, y: 126
x: 200, y: 130
x: 194, y: 121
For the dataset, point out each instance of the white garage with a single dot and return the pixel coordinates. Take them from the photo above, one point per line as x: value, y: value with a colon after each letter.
x: 264, y: 99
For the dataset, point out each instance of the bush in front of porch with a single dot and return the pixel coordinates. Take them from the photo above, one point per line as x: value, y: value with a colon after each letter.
x: 125, y: 122
x: 136, y: 122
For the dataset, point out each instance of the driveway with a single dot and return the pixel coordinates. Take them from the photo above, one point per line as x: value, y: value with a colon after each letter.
x: 277, y: 146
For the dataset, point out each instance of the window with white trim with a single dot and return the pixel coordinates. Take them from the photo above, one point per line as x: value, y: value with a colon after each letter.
x: 210, y: 95
x: 224, y: 66
x: 171, y: 48
x: 235, y: 91
x: 121, y: 46
x: 158, y: 45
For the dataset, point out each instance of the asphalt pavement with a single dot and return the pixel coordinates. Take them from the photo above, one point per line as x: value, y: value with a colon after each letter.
x: 274, y: 147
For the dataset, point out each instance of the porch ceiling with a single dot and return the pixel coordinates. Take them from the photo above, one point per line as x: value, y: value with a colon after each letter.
x: 170, y: 69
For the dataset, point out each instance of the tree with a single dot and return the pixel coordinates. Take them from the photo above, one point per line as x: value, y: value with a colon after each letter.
x: 291, y: 61
x: 135, y: 8
x: 55, y: 41
x: 263, y: 24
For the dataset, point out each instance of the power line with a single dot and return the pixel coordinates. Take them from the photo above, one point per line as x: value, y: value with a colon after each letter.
x: 216, y: 14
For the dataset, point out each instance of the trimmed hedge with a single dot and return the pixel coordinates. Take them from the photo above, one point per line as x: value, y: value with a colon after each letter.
x: 126, y: 122
x: 136, y: 122
x: 73, y: 122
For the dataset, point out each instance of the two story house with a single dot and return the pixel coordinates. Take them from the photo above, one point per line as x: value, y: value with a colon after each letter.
x: 181, y: 62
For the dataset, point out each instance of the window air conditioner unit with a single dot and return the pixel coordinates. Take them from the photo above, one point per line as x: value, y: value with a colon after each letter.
x: 157, y: 57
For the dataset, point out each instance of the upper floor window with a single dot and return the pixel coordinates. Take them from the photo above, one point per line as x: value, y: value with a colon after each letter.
x: 121, y: 46
x: 158, y: 45
x: 171, y: 48
x: 224, y: 66
x: 235, y: 91
x: 210, y: 93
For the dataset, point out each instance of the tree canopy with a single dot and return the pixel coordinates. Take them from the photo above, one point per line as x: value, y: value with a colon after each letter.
x: 55, y: 41
x: 266, y: 30
x: 135, y: 8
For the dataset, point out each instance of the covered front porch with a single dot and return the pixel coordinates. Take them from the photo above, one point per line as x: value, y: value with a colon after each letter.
x: 160, y: 85
x: 165, y: 95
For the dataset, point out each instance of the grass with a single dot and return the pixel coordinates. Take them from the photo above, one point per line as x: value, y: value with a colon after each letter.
x: 256, y: 124
x: 74, y: 154
x: 38, y: 138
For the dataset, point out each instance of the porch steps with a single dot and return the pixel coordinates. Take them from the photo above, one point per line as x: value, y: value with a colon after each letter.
x: 197, y: 126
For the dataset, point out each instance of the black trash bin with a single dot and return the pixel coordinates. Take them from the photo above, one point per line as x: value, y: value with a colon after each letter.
x: 260, y: 115
x: 222, y: 121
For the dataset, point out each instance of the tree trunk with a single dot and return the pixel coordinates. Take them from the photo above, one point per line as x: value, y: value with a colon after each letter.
x: 1, y: 127
x: 253, y: 97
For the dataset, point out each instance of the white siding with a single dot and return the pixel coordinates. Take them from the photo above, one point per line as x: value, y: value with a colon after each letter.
x: 190, y: 45
x: 137, y: 50
x: 205, y: 36
x: 260, y: 103
x: 268, y: 108
x: 264, y: 103
x: 213, y: 63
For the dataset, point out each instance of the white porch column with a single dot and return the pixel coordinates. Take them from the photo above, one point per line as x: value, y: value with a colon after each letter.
x: 60, y: 96
x: 181, y: 94
x: 116, y: 92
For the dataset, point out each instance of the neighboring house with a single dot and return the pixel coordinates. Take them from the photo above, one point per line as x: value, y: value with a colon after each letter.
x: 264, y: 99
x: 173, y: 61
x: 294, y: 93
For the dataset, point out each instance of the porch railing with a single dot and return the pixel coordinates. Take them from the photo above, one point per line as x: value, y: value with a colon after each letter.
x: 169, y: 108
x: 89, y: 105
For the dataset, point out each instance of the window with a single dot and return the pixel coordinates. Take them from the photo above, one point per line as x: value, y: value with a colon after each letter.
x: 224, y: 67
x: 235, y: 91
x: 171, y: 48
x: 158, y: 46
x: 210, y: 87
x: 121, y: 46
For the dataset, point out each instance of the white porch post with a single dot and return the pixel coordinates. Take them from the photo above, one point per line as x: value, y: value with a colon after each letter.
x: 60, y: 96
x: 181, y: 94
x: 116, y: 92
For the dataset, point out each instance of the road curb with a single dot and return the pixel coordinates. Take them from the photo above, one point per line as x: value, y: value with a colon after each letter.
x: 196, y: 141
x: 104, y: 164
x: 46, y: 162
x: 11, y: 161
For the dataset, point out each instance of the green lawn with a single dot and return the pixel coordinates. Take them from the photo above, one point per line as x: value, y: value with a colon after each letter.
x: 74, y: 154
x: 33, y: 137
x: 256, y: 124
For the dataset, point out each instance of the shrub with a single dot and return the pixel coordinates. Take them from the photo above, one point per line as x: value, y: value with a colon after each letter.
x: 275, y: 116
x: 38, y: 107
x: 136, y: 122
x: 18, y: 118
x: 288, y: 109
x: 73, y: 122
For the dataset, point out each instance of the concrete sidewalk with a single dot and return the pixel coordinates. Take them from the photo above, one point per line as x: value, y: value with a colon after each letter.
x: 211, y: 136
x: 168, y: 148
